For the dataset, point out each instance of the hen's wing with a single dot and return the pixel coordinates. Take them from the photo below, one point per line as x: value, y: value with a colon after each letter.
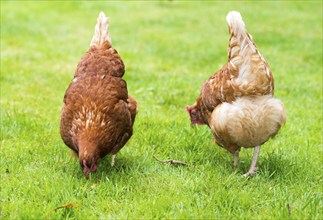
x: 246, y: 72
x: 131, y: 107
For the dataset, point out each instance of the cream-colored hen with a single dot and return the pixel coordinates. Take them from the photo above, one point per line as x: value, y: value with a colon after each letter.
x: 237, y: 101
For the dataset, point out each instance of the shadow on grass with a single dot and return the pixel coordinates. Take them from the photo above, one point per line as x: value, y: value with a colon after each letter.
x: 271, y: 165
x: 277, y: 166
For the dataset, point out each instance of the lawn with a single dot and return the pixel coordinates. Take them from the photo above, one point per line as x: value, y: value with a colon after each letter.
x: 169, y: 48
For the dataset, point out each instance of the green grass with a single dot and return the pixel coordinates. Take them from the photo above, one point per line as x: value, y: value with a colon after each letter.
x: 169, y: 48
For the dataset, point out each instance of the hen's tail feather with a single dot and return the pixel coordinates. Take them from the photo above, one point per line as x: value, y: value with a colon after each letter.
x: 241, y: 43
x: 101, y: 33
x: 236, y: 24
x: 245, y: 61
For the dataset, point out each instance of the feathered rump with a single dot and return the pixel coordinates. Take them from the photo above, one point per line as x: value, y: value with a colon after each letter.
x: 249, y: 121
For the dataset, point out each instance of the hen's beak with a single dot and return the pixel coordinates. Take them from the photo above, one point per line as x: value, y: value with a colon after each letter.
x: 188, y: 109
x: 86, y: 170
x: 87, y: 175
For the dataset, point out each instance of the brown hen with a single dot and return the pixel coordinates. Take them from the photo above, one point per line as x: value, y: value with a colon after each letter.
x: 97, y: 114
x: 237, y: 101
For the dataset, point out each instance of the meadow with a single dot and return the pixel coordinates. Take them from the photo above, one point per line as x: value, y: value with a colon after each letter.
x: 169, y: 48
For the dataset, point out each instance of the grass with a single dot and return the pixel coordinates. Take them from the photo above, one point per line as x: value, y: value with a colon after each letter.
x: 169, y: 49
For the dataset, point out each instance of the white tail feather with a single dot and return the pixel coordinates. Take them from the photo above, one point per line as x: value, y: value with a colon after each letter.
x: 241, y: 47
x: 101, y: 33
x: 239, y: 36
x: 245, y: 61
x: 236, y: 23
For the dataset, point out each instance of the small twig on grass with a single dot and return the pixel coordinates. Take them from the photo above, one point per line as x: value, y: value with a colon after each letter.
x: 171, y: 161
x: 72, y: 204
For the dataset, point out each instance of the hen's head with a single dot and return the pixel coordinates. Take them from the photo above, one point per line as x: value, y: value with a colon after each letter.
x: 88, y: 167
x: 195, y: 114
x: 88, y: 157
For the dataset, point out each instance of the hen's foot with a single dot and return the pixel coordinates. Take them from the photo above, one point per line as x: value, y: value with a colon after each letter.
x: 253, y: 167
x: 251, y: 172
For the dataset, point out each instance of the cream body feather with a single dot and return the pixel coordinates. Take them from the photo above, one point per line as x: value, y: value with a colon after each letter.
x: 249, y: 121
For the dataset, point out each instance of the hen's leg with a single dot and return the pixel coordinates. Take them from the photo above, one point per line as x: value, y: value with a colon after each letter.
x: 120, y: 143
x: 253, y: 167
x: 235, y: 159
x: 113, y: 160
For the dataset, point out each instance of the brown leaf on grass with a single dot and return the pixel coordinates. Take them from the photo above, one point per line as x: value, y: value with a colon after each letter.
x: 68, y: 205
